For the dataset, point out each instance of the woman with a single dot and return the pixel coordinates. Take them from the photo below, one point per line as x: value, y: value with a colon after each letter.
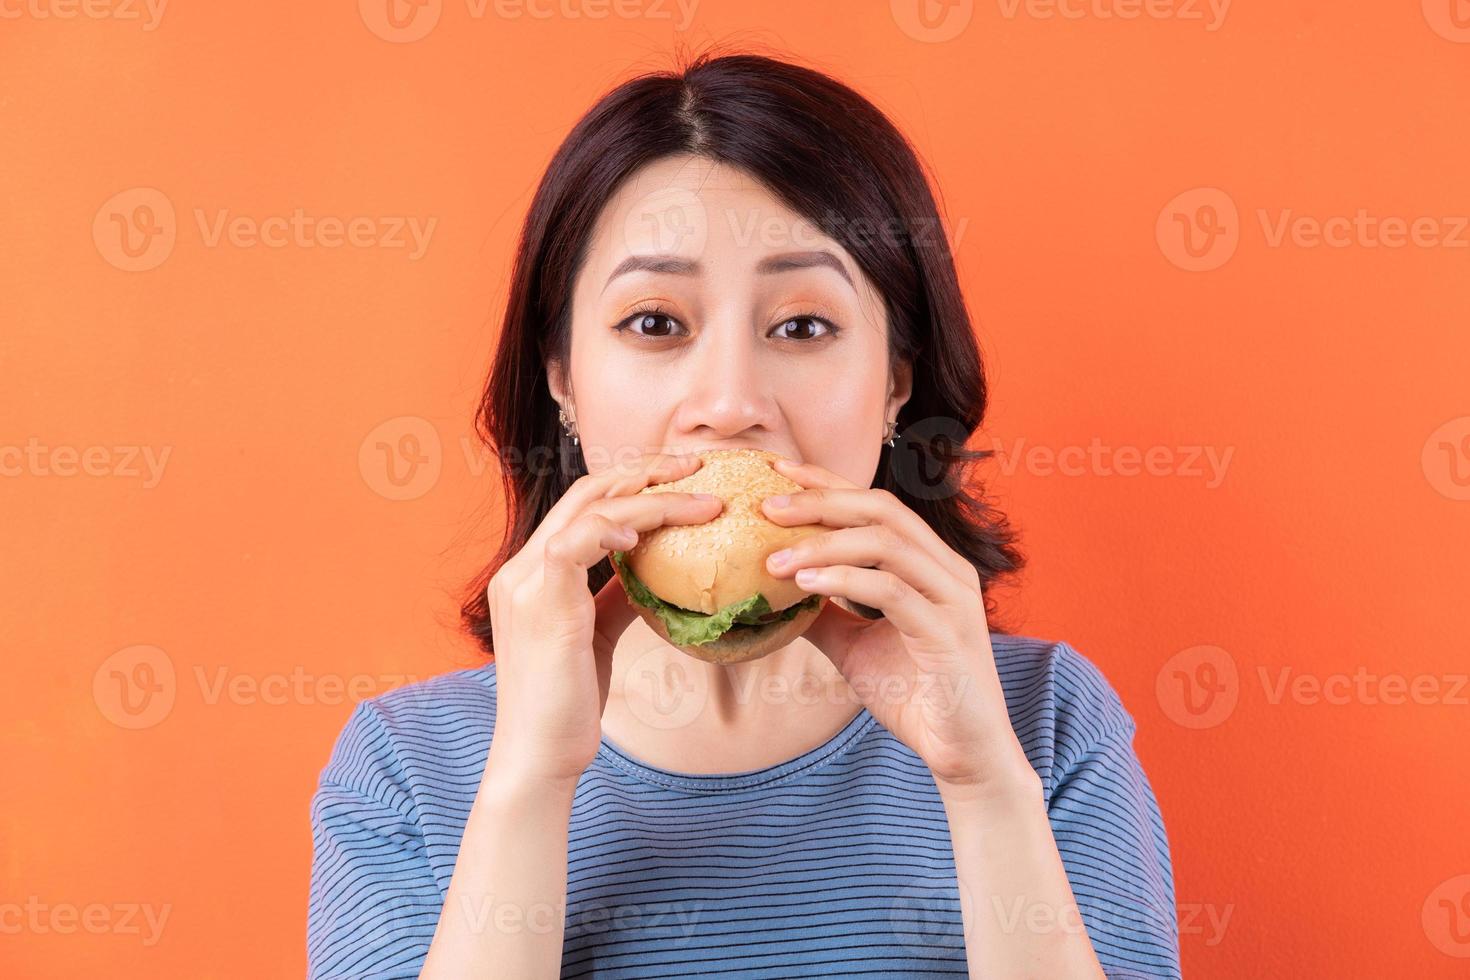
x: 745, y: 253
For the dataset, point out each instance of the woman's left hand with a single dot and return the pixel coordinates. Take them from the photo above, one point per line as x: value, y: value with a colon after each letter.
x: 926, y: 670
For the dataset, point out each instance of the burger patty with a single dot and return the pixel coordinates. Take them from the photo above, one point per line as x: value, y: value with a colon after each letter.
x: 765, y: 620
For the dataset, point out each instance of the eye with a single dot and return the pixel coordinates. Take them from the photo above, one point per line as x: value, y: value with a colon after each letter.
x: 651, y: 322
x: 807, y: 325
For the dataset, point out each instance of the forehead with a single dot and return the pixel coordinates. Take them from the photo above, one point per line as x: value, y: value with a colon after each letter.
x: 690, y: 206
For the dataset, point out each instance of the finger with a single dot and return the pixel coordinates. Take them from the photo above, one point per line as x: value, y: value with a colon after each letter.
x: 648, y: 511
x: 649, y: 471
x: 615, y: 525
x: 574, y: 549
x: 849, y: 507
x: 876, y: 546
x: 810, y: 474
x: 908, y: 611
x: 627, y: 477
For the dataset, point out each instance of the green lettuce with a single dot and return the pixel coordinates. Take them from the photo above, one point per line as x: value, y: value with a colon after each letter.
x: 695, y: 629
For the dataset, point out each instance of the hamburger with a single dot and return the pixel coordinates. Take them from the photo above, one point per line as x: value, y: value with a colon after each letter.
x: 704, y: 588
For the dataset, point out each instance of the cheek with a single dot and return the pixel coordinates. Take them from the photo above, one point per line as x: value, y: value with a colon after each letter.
x: 844, y: 385
x: 623, y: 424
x: 618, y: 415
x: 837, y: 424
x: 833, y: 412
x: 605, y: 377
x: 835, y: 408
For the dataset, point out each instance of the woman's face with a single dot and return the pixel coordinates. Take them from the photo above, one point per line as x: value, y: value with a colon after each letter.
x: 707, y: 314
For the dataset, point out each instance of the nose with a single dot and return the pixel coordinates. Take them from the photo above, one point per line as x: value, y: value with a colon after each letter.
x: 727, y: 395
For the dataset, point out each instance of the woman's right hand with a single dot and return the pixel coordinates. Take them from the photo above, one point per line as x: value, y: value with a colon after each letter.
x: 553, y: 639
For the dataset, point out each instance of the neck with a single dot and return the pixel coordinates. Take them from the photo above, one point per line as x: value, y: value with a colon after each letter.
x: 649, y: 675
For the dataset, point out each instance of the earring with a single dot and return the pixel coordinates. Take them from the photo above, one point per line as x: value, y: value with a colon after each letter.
x: 567, y: 426
x: 890, y: 432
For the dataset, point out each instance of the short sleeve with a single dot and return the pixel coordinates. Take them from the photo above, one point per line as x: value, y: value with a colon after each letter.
x: 1110, y: 833
x: 374, y: 902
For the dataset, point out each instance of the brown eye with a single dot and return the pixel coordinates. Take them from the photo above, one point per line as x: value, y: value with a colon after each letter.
x: 655, y: 324
x: 650, y: 323
x: 807, y: 328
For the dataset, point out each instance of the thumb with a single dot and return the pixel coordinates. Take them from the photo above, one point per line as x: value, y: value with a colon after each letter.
x: 832, y: 632
x: 615, y: 613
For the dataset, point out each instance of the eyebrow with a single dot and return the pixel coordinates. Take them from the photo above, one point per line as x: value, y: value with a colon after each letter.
x: 770, y: 265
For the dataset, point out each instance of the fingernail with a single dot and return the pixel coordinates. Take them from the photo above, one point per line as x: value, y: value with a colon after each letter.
x: 780, y: 557
x: 779, y: 501
x: 704, y: 496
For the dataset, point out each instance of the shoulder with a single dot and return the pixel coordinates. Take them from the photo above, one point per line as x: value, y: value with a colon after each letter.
x: 1060, y: 702
x: 391, y: 739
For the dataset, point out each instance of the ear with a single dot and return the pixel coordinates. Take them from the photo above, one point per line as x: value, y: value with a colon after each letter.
x: 555, y: 380
x: 900, y: 387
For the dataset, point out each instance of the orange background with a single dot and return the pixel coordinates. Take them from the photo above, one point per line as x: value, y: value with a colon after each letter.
x: 272, y: 557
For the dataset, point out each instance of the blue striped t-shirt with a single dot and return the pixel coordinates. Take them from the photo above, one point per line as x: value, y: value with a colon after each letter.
x: 836, y: 863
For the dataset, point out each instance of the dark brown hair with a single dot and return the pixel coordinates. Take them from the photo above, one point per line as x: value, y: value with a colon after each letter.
x: 834, y: 158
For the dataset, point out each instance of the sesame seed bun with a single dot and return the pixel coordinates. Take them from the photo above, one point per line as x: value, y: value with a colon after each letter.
x: 703, y: 568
